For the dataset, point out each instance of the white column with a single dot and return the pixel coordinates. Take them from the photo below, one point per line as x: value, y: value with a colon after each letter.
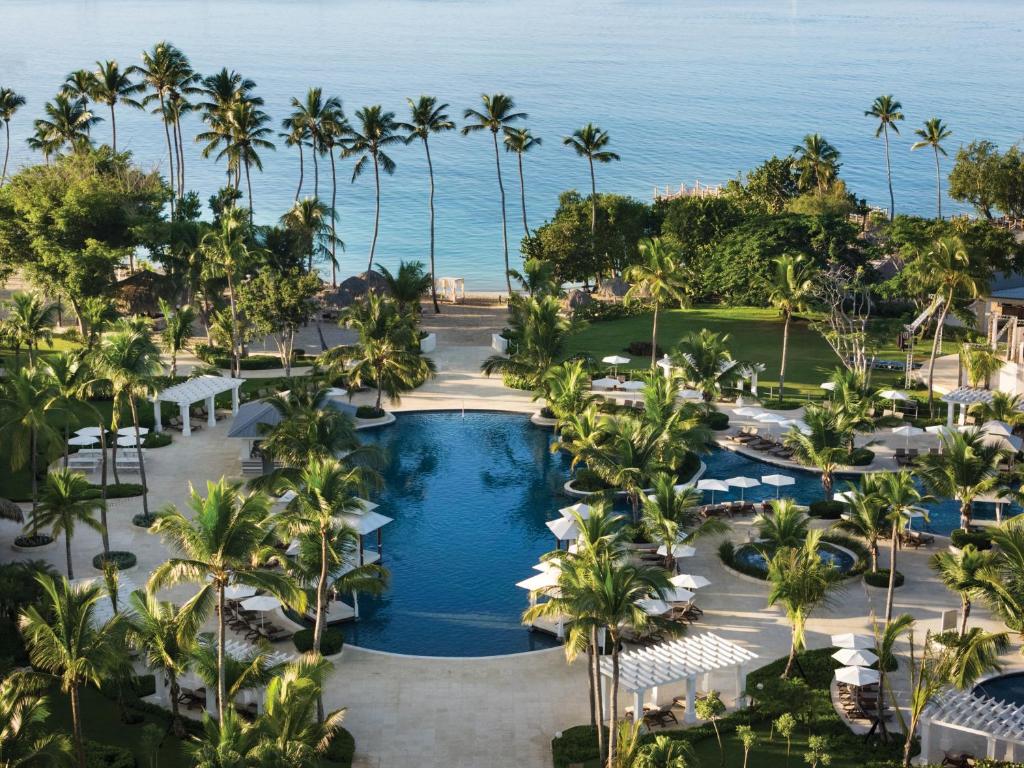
x: 963, y: 414
x: 654, y: 695
x: 234, y: 400
x: 355, y: 604
x: 741, y: 684
x: 186, y: 423
x: 211, y: 701
x: 157, y: 425
x: 690, y: 715
x: 925, y: 733
x: 605, y: 685
x: 753, y: 383
x: 638, y: 705
x: 211, y: 417
x: 990, y: 748
x: 949, y: 415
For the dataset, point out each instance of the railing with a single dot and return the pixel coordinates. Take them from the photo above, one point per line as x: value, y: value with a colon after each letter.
x: 697, y: 190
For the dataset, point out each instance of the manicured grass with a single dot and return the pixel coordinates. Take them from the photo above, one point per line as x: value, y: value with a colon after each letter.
x: 755, y: 335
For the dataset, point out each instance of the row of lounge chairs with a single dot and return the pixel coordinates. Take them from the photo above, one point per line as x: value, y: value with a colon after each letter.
x: 195, y: 700
x: 915, y: 539
x: 862, y: 703
x: 749, y: 437
x: 88, y: 460
x: 254, y: 625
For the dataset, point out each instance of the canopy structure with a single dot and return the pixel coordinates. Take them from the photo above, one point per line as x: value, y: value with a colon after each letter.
x: 193, y: 391
x: 252, y: 420
x: 680, y: 660
x: 365, y: 523
x: 984, y: 718
x: 965, y: 397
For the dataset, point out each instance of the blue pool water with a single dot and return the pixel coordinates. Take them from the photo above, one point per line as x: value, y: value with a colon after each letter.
x: 1005, y: 688
x: 841, y: 559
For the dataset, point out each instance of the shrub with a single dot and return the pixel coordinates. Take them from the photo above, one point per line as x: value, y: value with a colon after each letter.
x: 142, y: 520
x: 514, y: 381
x: 369, y: 412
x: 860, y: 457
x: 981, y: 539
x: 604, y: 310
x: 107, y: 756
x: 116, y: 490
x: 547, y: 413
x: 33, y: 540
x: 688, y: 467
x: 716, y: 420
x: 576, y: 745
x: 341, y: 751
x: 826, y: 510
x: 119, y: 558
x: 157, y: 440
x: 880, y: 578
x: 332, y: 641
x: 643, y: 349
x: 144, y: 685
x: 587, y: 481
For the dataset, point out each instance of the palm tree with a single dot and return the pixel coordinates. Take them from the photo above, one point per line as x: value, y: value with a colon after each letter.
x: 539, y: 331
x: 27, y: 737
x: 166, y: 638
x: 296, y: 134
x: 866, y: 517
x: 313, y: 116
x: 886, y: 110
x: 226, y: 254
x: 10, y: 103
x: 965, y: 469
x: 248, y: 133
x: 670, y: 515
x: 789, y: 291
x: 521, y: 141
x: 707, y: 363
x: 497, y: 115
x: 26, y: 407
x: 309, y: 429
x: 129, y: 360
x: 66, y: 500
x: 785, y: 526
x: 427, y: 117
x: 65, y: 638
x: 900, y: 497
x: 590, y: 142
x: 932, y: 135
x: 407, y: 285
x: 963, y: 573
x: 177, y: 330
x: 801, y: 582
x: 79, y: 85
x: 223, y: 90
x: 1003, y: 585
x: 43, y: 142
x: 225, y: 743
x: 30, y: 320
x: 313, y: 222
x: 1003, y: 407
x: 817, y: 163
x: 566, y: 389
x: 657, y: 279
x: 111, y: 86
x: 823, y: 447
x: 219, y: 547
x: 334, y: 129
x: 376, y: 131
x: 67, y: 122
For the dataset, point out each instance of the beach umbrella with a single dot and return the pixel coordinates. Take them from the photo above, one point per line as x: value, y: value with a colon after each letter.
x: 689, y: 581
x: 748, y: 410
x: 800, y: 424
x: 855, y: 657
x: 778, y: 481
x: 337, y: 392
x: 633, y: 385
x: 907, y: 430
x: 770, y: 418
x: 131, y: 431
x: 653, y: 606
x: 742, y: 483
x: 857, y: 676
x: 579, y: 508
x: 91, y: 431
x: 238, y: 591
x: 261, y: 604
x: 894, y: 395
x: 128, y: 441
x: 844, y: 496
x: 545, y: 580
x: 82, y: 440
x: 564, y: 528
x: 712, y: 485
x: 615, y: 361
x: 849, y: 640
x: 679, y: 595
x: 605, y: 383
x: 286, y: 498
x: 678, y: 550
x: 691, y: 394
x: 546, y: 566
x: 828, y: 386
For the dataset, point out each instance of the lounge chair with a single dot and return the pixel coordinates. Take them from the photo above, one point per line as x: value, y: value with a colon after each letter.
x: 662, y: 715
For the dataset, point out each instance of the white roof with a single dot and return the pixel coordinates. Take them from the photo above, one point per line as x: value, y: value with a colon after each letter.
x: 583, y: 510
x: 968, y: 396
x: 367, y: 522
x: 564, y: 528
x: 977, y: 713
x: 540, y: 581
x: 199, y: 388
x: 675, y: 660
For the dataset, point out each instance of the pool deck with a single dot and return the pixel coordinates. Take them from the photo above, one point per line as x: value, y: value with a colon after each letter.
x: 501, y: 712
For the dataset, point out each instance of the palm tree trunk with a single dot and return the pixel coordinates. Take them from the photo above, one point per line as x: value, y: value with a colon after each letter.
x: 376, y: 213
x: 785, y: 348
x: 894, y: 544
x: 138, y: 453
x: 522, y: 193
x: 32, y: 469
x: 316, y: 171
x: 234, y: 326
x: 590, y: 673
x: 433, y: 269
x: 181, y: 157
x: 596, y: 677
x: 966, y: 515
x: 248, y: 184
x: 113, y: 129
x: 170, y: 150
x: 103, y: 490
x: 938, y: 185
x: 222, y: 690
x: 965, y: 611
x: 792, y: 654
x: 177, y: 727
x: 302, y: 170
x: 67, y: 554
x: 334, y: 223
x: 7, y: 151
x: 888, y: 173
x: 321, y: 593
x: 504, y: 224
x: 614, y: 703
x: 935, y: 351
x: 593, y: 200
x: 76, y: 727
x: 654, y: 337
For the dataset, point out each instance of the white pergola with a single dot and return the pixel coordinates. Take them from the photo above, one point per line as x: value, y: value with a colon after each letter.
x: 193, y: 391
x: 364, y: 523
x: 997, y: 722
x: 965, y: 397
x: 677, y: 661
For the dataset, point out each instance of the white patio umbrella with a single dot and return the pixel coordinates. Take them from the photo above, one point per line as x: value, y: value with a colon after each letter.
x: 564, y: 528
x: 261, y: 604
x: 653, y: 606
x: 907, y: 430
x: 828, y: 386
x: 127, y: 441
x: 778, y: 481
x: 678, y: 550
x: 131, y: 431
x: 844, y: 496
x: 894, y: 395
x: 855, y: 657
x: 689, y: 581
x: 748, y: 410
x: 742, y: 483
x: 82, y: 440
x: 850, y: 640
x: 633, y: 385
x: 91, y: 431
x: 615, y: 361
x: 238, y: 591
x: 770, y: 418
x: 857, y: 676
x: 712, y: 485
x: 800, y: 424
x: 579, y: 508
x: 679, y: 595
x: 605, y: 383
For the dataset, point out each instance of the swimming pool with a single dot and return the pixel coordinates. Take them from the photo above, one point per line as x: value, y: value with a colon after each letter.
x: 1008, y: 688
x: 828, y: 553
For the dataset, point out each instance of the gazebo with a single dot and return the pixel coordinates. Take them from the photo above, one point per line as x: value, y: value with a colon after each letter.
x: 451, y: 289
x: 193, y: 391
x: 675, y: 661
x: 965, y: 397
x: 978, y: 720
x: 364, y: 523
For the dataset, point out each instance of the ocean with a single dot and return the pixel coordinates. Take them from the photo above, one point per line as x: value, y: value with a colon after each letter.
x: 687, y: 90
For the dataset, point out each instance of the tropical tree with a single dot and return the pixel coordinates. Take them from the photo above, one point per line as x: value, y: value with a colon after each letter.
x: 112, y: 86
x: 65, y: 502
x: 789, y: 291
x: 407, y: 285
x: 65, y: 638
x: 177, y: 330
x: 226, y: 254
x: 817, y: 163
x: 427, y: 117
x: 520, y: 141
x: 67, y: 122
x: 900, y: 497
x: 866, y: 516
x: 963, y: 573
x: 498, y: 113
x: 1003, y: 585
x: 748, y: 738
x: 823, y: 447
x: 247, y: 135
x: 980, y: 363
x: 223, y: 90
x: 313, y: 224
x: 670, y: 516
x: 10, y: 103
x: 224, y: 743
x: 295, y: 134
x: 314, y: 116
x: 308, y: 429
x: 887, y: 111
x: 30, y: 320
x: 566, y: 389
x: 27, y: 405
x: 711, y: 707
x: 965, y: 469
x: 932, y: 135
x: 590, y: 142
x: 786, y: 526
x: 1003, y: 406
x: 539, y: 332
x: 706, y: 363
x: 375, y: 131
x: 657, y: 279
x: 219, y: 546
x: 27, y: 737
x: 801, y: 582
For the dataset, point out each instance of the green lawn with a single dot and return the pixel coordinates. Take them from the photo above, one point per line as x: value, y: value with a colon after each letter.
x: 755, y: 336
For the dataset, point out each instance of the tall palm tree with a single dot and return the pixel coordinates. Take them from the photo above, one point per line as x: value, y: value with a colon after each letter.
x: 498, y: 113
x: 539, y: 331
x: 824, y: 447
x: 932, y: 135
x: 222, y: 91
x: 963, y: 573
x: 312, y: 222
x: 520, y: 141
x: 1003, y: 585
x: 817, y: 163
x: 965, y: 469
x: 248, y: 134
x: 296, y: 134
x: 65, y: 502
x: 218, y: 547
x: 427, y: 117
x: 226, y: 254
x: 886, y: 110
x: 79, y: 85
x: 313, y: 116
x: 657, y: 279
x: 27, y: 407
x: 44, y: 142
x: 10, y: 103
x: 789, y: 291
x: 67, y: 122
x: 899, y: 496
x: 177, y: 330
x: 334, y: 131
x: 129, y: 359
x: 27, y: 737
x: 707, y: 363
x: 801, y: 582
x: 308, y: 430
x: 407, y: 285
x: 374, y: 132
x: 785, y: 526
x: 566, y: 389
x: 30, y: 320
x: 113, y: 86
x: 590, y: 142
x: 866, y: 517
x: 65, y: 638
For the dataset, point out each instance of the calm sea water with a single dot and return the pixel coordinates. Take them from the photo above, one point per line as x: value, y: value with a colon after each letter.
x: 688, y: 90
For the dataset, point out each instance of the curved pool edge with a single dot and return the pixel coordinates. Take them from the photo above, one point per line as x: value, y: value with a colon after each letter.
x: 426, y: 657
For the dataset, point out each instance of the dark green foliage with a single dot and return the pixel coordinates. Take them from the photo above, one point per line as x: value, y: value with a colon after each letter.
x: 860, y: 457
x: 699, y: 221
x: 34, y: 540
x: 825, y: 509
x: 989, y: 180
x: 332, y: 641
x: 157, y: 440
x: 588, y: 482
x: 642, y: 349
x: 606, y: 310
x: 880, y: 578
x: 143, y: 521
x: 981, y: 538
x: 369, y: 412
x: 515, y: 381
x: 716, y: 420
x: 576, y: 745
x: 116, y: 491
x: 341, y: 751
x: 107, y: 756
x: 122, y: 560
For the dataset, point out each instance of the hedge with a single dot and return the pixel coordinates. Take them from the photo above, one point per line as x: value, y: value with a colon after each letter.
x: 142, y: 520
x: 860, y: 457
x: 157, y: 440
x: 99, y: 755
x: 369, y: 412
x: 33, y: 540
x: 331, y: 642
x: 981, y: 539
x: 341, y: 751
x: 514, y: 381
x: 880, y: 578
x: 717, y: 420
x: 825, y: 509
x: 115, y: 491
x: 121, y: 560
